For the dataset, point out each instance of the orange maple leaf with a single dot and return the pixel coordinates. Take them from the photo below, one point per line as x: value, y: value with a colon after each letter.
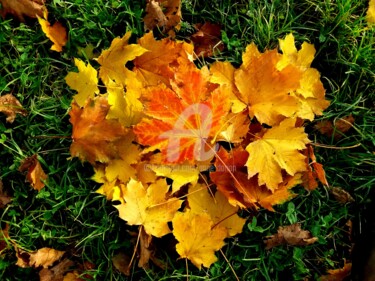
x: 183, y: 120
x: 35, y: 174
x: 93, y: 135
x: 56, y: 32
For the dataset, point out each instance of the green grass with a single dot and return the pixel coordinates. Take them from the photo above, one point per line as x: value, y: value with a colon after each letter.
x: 68, y: 215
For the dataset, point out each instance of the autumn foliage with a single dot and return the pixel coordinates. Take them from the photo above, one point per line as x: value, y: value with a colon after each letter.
x: 177, y: 144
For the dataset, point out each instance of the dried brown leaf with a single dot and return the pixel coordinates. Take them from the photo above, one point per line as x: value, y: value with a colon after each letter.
x: 35, y: 174
x: 207, y: 40
x: 341, y: 195
x: 121, y: 262
x: 4, y: 198
x: 338, y: 274
x: 22, y: 8
x: 10, y: 106
x: 291, y: 235
x: 164, y: 14
x: 44, y: 257
x: 336, y: 129
x: 57, y: 272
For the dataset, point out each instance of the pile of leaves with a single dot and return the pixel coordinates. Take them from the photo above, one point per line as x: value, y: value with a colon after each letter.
x: 181, y: 149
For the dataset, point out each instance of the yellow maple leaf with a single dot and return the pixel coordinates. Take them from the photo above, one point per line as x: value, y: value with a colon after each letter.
x: 198, y: 238
x: 180, y: 174
x: 56, y: 32
x: 85, y: 82
x: 218, y: 208
x: 277, y: 150
x: 148, y: 206
x: 222, y: 73
x: 125, y: 107
x: 370, y: 16
x: 265, y: 89
x: 113, y: 60
x: 310, y: 93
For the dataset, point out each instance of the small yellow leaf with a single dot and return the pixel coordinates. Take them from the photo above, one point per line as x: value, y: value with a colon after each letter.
x: 85, y: 82
x: 198, y: 238
x: 56, y: 32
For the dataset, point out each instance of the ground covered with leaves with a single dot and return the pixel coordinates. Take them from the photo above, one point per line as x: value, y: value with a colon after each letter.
x: 260, y: 96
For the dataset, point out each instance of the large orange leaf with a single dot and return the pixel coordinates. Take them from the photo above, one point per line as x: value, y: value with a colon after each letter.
x: 276, y: 150
x: 183, y: 120
x: 149, y: 206
x: 93, y: 135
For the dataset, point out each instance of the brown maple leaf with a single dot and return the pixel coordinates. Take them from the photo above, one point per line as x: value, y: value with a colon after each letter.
x: 57, y: 272
x: 44, y: 257
x: 338, y: 274
x: 291, y: 235
x: 335, y: 129
x: 22, y: 8
x: 164, y: 14
x: 35, y: 174
x: 10, y: 106
x: 207, y: 39
x: 4, y: 198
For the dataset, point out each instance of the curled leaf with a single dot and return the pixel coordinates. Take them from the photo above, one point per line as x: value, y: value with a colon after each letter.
x: 10, y: 106
x: 35, y: 174
x: 56, y: 32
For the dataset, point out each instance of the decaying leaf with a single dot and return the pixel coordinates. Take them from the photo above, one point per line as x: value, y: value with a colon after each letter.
x: 35, y: 174
x: 207, y: 40
x: 198, y: 237
x: 121, y: 262
x: 338, y: 274
x: 291, y: 235
x: 10, y: 106
x: 336, y: 129
x: 44, y: 257
x: 341, y: 195
x: 370, y: 16
x: 164, y: 14
x: 56, y: 32
x: 313, y: 172
x: 57, y: 272
x: 22, y: 8
x: 4, y: 198
x: 4, y: 236
x: 149, y: 206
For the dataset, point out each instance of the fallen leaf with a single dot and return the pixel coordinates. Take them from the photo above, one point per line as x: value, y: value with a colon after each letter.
x: 56, y: 32
x: 4, y: 237
x: 370, y: 15
x: 218, y: 208
x: 162, y: 59
x: 181, y: 122
x: 85, y: 82
x: 121, y: 262
x: 22, y: 8
x: 207, y: 40
x: 291, y: 235
x: 198, y: 237
x: 314, y: 171
x: 164, y: 14
x: 44, y: 257
x: 276, y: 150
x: 112, y: 60
x: 4, y: 198
x: 338, y: 274
x: 145, y: 250
x: 88, y: 52
x: 57, y: 272
x: 10, y: 106
x: 149, y: 206
x: 341, y: 195
x: 94, y: 135
x: 336, y: 129
x: 35, y: 174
